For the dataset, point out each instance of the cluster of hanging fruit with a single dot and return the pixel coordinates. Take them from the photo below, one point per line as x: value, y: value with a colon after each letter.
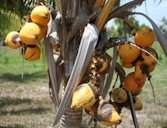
x: 87, y: 95
x: 143, y: 58
x: 139, y: 55
x: 30, y: 34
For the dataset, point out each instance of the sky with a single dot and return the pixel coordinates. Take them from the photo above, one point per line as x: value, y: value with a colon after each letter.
x: 153, y: 9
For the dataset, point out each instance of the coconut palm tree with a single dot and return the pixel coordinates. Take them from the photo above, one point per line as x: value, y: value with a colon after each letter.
x: 80, y: 35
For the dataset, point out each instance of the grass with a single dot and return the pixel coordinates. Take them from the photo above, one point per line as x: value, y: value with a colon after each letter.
x: 25, y: 103
x: 12, y: 66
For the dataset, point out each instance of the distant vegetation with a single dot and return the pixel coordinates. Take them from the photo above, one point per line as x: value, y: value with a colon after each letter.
x: 163, y: 26
x: 121, y: 27
x: 12, y: 66
x: 9, y: 22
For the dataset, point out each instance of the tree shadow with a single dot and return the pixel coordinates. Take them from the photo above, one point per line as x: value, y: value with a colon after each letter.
x: 27, y: 77
x: 6, y: 101
x: 12, y: 126
x: 38, y: 110
x: 16, y: 101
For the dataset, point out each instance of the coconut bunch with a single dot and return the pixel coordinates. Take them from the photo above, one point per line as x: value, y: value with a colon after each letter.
x: 31, y: 33
x: 119, y: 97
x: 88, y: 92
x: 143, y: 58
x: 87, y: 95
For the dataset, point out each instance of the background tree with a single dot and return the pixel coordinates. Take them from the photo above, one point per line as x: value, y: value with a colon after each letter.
x: 163, y: 26
x: 120, y: 27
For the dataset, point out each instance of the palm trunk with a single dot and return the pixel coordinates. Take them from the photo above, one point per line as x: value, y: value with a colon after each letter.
x: 75, y: 15
x: 71, y: 118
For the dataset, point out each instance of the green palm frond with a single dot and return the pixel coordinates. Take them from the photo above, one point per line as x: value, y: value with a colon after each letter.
x: 21, y: 7
x: 9, y: 22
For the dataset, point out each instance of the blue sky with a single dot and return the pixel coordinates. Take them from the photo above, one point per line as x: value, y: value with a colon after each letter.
x: 153, y: 9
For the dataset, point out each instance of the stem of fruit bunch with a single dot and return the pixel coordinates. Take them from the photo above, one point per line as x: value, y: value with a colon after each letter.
x: 149, y: 78
x: 133, y: 110
x: 22, y: 74
x: 102, y: 18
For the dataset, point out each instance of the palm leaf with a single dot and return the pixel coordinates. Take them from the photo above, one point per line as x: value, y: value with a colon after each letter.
x: 126, y: 7
x: 133, y: 113
x: 111, y: 72
x: 21, y: 7
x: 52, y: 69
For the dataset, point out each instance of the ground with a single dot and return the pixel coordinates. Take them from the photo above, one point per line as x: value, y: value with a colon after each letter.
x: 25, y: 103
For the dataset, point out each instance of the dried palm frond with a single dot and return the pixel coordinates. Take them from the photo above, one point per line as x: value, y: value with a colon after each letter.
x: 111, y: 72
x: 126, y: 7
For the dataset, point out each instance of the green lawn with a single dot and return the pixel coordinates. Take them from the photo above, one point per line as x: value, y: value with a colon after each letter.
x: 25, y: 103
x: 12, y: 66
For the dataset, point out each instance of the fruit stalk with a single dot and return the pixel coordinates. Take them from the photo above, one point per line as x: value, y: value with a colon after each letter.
x: 101, y: 20
x: 99, y: 3
x: 133, y: 110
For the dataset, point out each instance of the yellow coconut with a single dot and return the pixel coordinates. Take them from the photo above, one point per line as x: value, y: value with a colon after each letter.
x: 104, y: 65
x: 30, y: 33
x: 107, y: 114
x: 40, y: 15
x: 84, y: 96
x: 92, y: 110
x: 43, y: 32
x: 12, y: 40
x: 31, y: 53
x: 114, y: 119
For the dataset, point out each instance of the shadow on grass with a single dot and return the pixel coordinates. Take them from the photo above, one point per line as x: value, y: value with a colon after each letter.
x: 16, y: 101
x: 27, y: 77
x: 6, y: 101
x: 28, y: 111
x: 12, y: 126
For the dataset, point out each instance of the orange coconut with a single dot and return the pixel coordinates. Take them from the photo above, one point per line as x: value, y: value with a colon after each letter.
x: 144, y: 37
x: 141, y: 71
x: 128, y: 53
x: 127, y: 65
x: 130, y: 83
x: 148, y: 59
